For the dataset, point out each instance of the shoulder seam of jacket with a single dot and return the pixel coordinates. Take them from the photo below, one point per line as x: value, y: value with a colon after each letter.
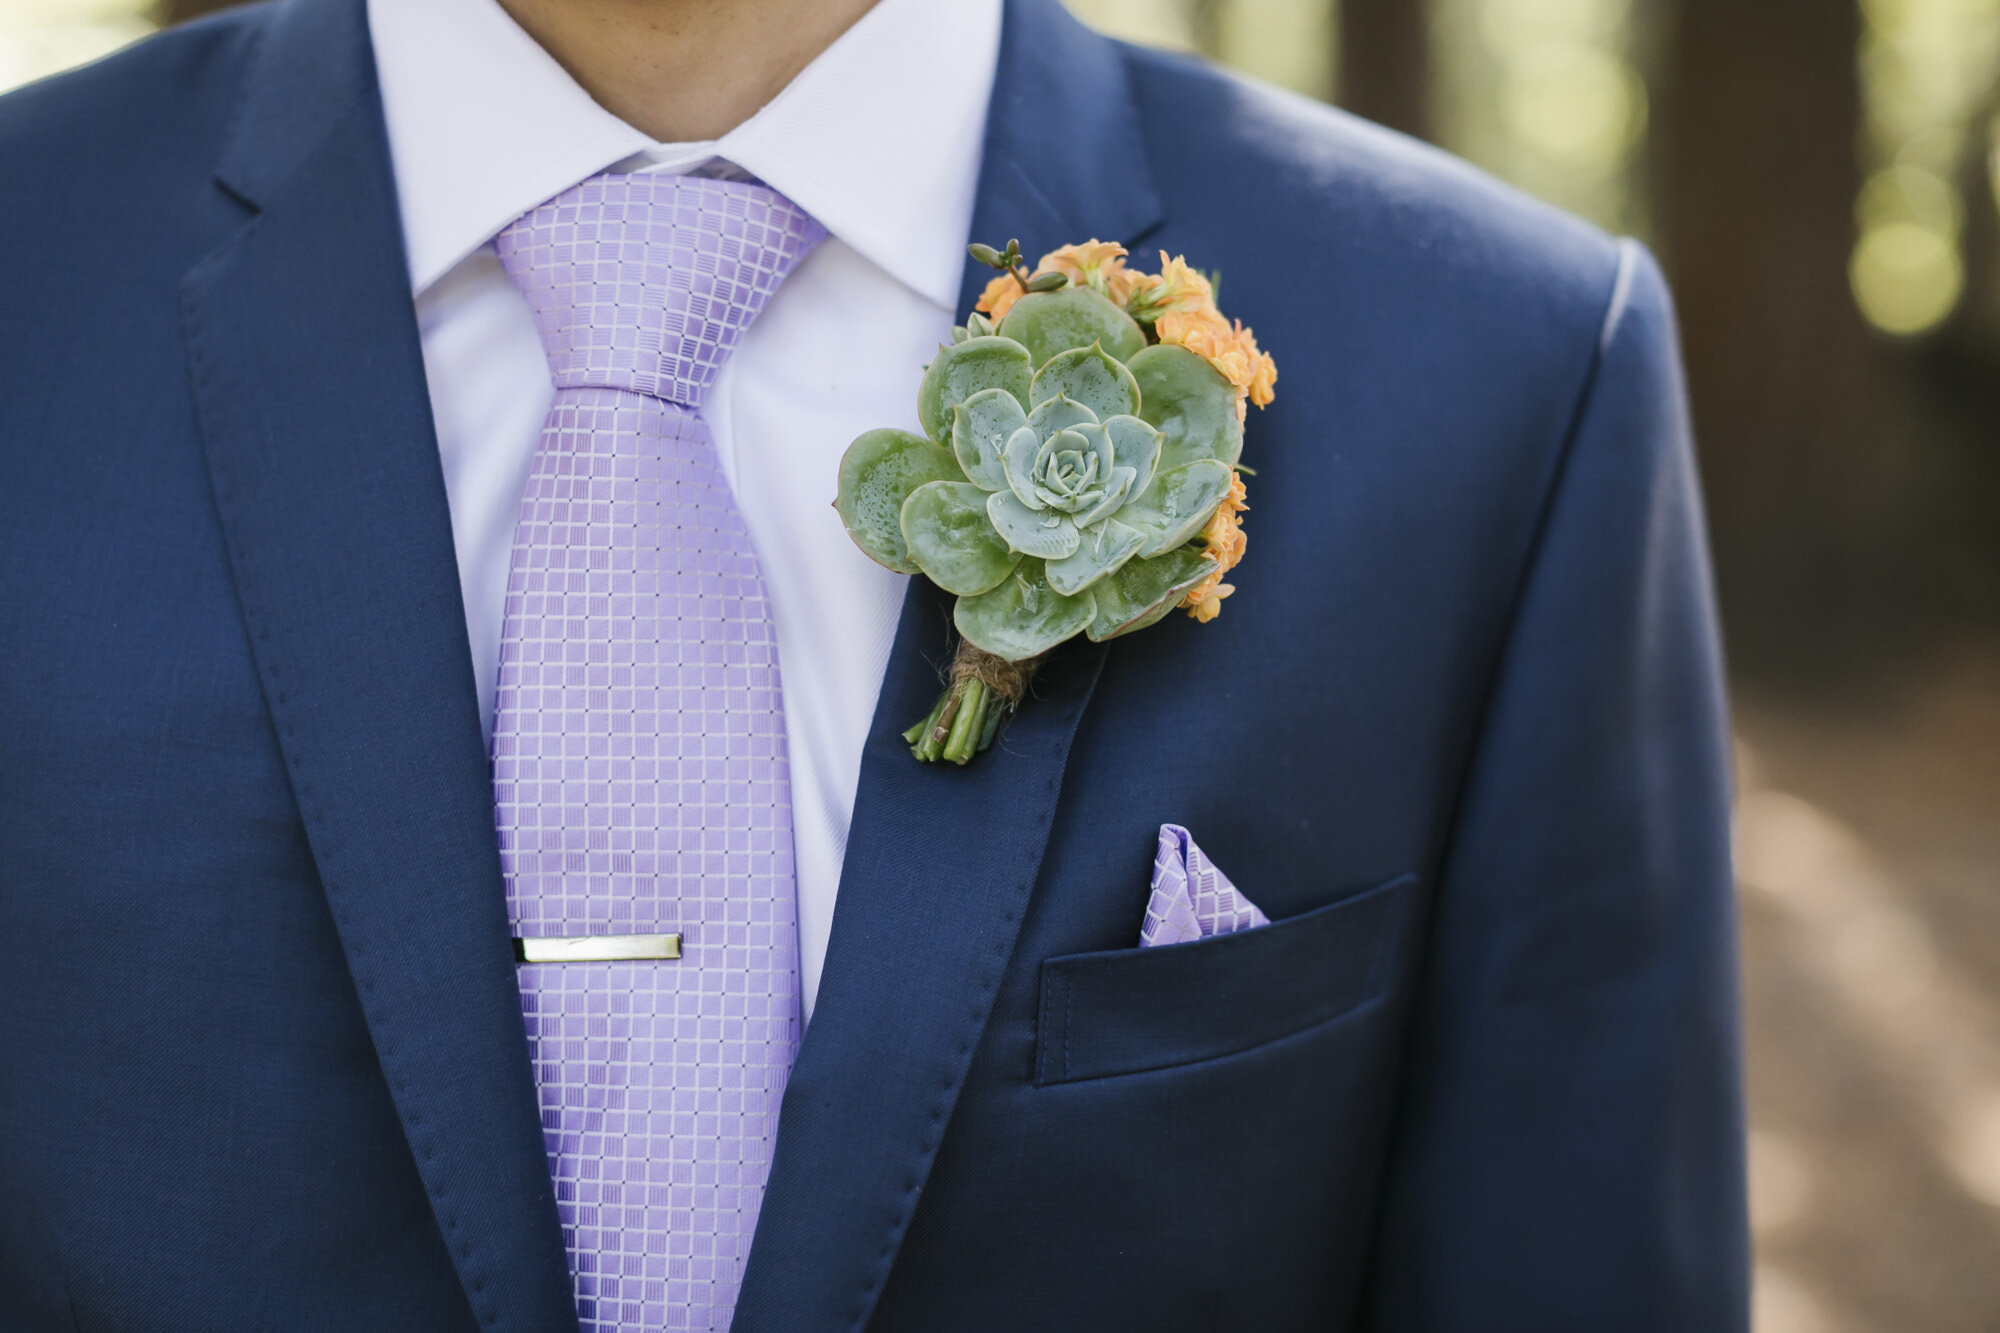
x: 1621, y: 293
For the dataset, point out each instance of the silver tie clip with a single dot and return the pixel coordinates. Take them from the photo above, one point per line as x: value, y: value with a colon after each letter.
x: 595, y: 948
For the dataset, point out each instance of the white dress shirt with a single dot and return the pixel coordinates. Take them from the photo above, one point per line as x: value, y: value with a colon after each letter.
x: 879, y: 138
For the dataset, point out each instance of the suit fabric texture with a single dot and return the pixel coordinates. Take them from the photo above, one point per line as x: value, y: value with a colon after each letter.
x: 1461, y: 735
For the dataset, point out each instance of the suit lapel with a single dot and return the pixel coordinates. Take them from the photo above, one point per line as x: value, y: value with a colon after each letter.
x: 941, y: 860
x: 309, y: 380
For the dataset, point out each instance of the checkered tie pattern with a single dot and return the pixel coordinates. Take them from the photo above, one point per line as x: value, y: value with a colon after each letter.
x: 639, y: 766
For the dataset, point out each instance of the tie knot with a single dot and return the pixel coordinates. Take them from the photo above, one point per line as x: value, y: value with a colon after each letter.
x: 647, y: 282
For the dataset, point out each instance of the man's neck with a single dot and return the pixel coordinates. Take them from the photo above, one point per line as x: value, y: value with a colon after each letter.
x: 684, y: 70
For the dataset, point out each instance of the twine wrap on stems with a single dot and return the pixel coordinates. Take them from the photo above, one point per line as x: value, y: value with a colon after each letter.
x: 967, y: 716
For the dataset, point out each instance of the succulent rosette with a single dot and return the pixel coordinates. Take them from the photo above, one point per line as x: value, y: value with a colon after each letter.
x: 1077, y: 473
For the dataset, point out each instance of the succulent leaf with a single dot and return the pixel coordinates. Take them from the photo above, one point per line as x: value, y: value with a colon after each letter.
x: 1023, y: 617
x: 1039, y: 533
x: 1177, y: 505
x: 877, y: 474
x: 1059, y: 413
x: 980, y: 427
x: 1136, y: 445
x: 1141, y: 591
x: 1116, y: 492
x: 1090, y: 376
x: 1072, y: 469
x: 1050, y: 323
x: 1103, y: 549
x: 964, y: 369
x: 1100, y: 448
x: 1190, y: 403
x: 951, y: 539
x: 1024, y: 447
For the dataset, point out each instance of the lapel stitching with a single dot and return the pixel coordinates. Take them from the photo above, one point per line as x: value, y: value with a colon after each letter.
x: 1089, y: 660
x: 308, y: 383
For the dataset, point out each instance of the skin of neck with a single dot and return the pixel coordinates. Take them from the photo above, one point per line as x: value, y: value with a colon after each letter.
x: 684, y: 70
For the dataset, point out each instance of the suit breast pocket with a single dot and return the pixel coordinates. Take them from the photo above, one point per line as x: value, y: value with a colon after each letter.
x: 1125, y: 1011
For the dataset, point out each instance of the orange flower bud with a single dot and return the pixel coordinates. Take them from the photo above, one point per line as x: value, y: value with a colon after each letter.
x: 999, y: 297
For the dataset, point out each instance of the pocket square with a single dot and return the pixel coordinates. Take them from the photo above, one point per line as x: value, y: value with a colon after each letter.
x: 1192, y: 900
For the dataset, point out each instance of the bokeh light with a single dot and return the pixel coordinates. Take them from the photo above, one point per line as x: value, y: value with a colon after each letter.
x: 1928, y: 68
x: 1546, y: 94
x: 40, y: 37
x: 1286, y: 42
x: 1576, y: 106
x: 1907, y: 277
x: 1164, y: 23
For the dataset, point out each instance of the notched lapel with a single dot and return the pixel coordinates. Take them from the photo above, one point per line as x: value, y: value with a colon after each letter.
x: 941, y: 860
x: 309, y: 381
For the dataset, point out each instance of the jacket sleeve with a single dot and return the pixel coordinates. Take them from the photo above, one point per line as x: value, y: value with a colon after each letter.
x: 1568, y: 1151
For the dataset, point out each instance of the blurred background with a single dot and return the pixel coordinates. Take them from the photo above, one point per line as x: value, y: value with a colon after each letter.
x: 1822, y: 180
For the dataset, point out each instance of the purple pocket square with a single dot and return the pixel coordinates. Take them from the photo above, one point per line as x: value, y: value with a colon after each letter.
x: 1192, y: 900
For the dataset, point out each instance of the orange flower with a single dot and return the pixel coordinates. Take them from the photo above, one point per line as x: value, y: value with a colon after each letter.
x: 999, y: 297
x: 1178, y: 288
x: 1095, y: 263
x: 1211, y: 592
x: 1200, y: 331
x: 1231, y: 350
x: 1264, y: 384
x: 1226, y: 545
x: 1098, y: 264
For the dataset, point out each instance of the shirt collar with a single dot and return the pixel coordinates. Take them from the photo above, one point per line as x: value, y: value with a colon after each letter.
x: 879, y: 138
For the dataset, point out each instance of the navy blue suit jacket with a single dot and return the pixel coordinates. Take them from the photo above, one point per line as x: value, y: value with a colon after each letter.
x: 1460, y: 734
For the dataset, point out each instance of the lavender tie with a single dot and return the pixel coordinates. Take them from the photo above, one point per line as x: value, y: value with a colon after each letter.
x: 639, y: 747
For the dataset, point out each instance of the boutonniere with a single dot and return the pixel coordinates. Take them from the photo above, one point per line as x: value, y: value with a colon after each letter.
x: 1078, y: 473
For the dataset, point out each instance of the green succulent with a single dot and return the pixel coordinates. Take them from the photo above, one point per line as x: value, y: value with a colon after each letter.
x: 1065, y: 469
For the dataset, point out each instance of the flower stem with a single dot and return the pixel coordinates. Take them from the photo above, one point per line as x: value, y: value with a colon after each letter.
x: 967, y: 716
x: 995, y: 711
x: 961, y: 724
x: 970, y: 724
x: 914, y: 734
x: 940, y: 731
